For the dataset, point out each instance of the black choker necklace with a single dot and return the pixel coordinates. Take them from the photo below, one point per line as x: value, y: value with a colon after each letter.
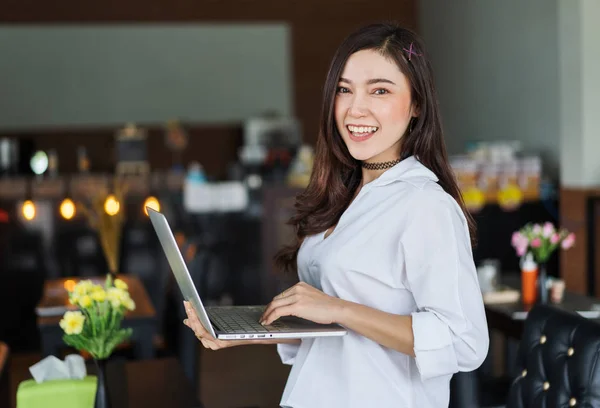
x: 380, y: 165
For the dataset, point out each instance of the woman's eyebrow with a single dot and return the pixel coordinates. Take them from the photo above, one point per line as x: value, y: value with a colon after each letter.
x: 370, y: 81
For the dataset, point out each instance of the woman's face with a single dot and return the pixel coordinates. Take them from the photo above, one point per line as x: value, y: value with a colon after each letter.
x: 372, y: 106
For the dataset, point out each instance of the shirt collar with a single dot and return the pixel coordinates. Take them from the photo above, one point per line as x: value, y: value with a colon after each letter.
x: 406, y: 170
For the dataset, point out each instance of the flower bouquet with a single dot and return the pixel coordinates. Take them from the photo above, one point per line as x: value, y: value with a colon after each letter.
x: 539, y: 242
x: 96, y: 327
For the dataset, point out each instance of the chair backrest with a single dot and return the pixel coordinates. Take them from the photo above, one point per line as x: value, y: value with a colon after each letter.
x: 559, y: 362
x: 4, y: 383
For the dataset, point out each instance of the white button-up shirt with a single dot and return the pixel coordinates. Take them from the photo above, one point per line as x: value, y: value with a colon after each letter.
x: 403, y: 247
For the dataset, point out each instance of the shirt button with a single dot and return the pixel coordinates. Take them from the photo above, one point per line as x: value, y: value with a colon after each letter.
x: 543, y: 339
x: 546, y: 386
x: 572, y: 402
x: 524, y: 373
x: 570, y: 351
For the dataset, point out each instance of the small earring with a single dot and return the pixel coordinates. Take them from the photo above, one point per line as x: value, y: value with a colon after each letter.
x: 411, y: 125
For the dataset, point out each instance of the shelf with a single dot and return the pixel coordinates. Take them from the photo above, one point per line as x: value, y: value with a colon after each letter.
x: 85, y: 185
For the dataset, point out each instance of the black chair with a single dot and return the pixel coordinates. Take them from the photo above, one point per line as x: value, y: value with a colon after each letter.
x: 79, y: 251
x: 22, y: 270
x: 557, y: 361
x: 143, y: 257
x: 558, y: 357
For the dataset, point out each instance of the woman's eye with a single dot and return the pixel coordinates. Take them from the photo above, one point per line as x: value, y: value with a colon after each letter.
x: 341, y: 89
x: 381, y: 91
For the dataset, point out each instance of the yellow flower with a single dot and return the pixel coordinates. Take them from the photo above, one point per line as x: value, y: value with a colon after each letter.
x: 129, y: 303
x: 114, y: 296
x: 120, y: 284
x: 99, y: 295
x: 85, y: 301
x: 74, y: 299
x: 120, y: 297
x: 83, y: 287
x: 72, y: 322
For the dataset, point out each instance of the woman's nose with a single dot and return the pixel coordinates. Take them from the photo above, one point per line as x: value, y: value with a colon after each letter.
x: 358, y: 108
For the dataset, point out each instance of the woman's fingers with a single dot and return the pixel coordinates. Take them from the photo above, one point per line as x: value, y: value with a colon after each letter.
x: 194, y: 323
x: 276, y: 313
x: 278, y: 302
x: 207, y: 340
x: 215, y: 344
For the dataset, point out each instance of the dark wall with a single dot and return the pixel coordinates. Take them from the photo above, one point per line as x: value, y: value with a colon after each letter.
x: 317, y: 28
x: 213, y: 146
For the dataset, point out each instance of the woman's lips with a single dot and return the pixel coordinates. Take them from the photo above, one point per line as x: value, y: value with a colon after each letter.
x: 361, y: 133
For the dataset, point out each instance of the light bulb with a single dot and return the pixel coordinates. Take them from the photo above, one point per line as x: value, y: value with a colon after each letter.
x: 151, y: 202
x: 67, y: 209
x: 29, y: 210
x: 111, y: 205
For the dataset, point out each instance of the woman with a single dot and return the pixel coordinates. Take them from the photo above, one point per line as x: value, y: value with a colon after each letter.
x: 383, y: 242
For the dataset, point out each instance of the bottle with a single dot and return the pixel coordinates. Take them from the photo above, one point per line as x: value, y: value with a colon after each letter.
x: 83, y: 162
x: 529, y: 275
x: 195, y: 173
x: 52, y: 163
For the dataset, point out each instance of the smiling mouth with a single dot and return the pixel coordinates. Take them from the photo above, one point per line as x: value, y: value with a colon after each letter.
x: 361, y: 131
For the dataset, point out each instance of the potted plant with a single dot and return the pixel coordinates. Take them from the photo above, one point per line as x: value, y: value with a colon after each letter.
x: 96, y: 327
x: 541, y: 241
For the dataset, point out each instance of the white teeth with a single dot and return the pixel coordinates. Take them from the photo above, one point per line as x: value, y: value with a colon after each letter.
x: 362, y: 129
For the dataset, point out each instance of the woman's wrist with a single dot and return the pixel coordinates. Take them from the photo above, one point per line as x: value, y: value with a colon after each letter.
x: 341, y: 310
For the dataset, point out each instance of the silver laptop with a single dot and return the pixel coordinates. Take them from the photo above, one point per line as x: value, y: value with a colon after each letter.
x: 232, y: 322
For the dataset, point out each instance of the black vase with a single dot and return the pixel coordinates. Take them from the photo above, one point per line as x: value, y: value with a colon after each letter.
x: 542, y: 284
x: 102, y: 398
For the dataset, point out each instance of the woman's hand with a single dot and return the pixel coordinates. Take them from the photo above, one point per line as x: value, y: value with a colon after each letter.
x: 208, y: 341
x: 306, y: 302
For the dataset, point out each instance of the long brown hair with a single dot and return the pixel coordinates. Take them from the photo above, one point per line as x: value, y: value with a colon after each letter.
x: 336, y: 174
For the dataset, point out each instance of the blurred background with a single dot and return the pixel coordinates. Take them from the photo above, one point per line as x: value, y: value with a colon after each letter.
x: 209, y: 111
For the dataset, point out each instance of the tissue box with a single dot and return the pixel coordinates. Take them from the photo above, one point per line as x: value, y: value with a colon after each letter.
x: 65, y: 393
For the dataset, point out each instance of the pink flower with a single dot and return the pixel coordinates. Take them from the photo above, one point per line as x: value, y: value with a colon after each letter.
x: 536, y: 243
x: 537, y: 229
x: 555, y: 239
x: 569, y: 241
x: 548, y: 230
x: 520, y: 243
x: 516, y: 238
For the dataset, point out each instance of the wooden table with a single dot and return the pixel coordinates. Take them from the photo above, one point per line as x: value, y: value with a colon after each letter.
x: 55, y: 302
x: 156, y: 383
x: 509, y: 317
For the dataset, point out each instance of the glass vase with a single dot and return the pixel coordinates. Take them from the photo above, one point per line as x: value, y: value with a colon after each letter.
x: 102, y: 399
x: 542, y: 284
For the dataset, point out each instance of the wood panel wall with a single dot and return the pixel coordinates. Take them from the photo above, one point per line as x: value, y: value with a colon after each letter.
x: 317, y: 28
x: 580, y: 213
x: 574, y: 262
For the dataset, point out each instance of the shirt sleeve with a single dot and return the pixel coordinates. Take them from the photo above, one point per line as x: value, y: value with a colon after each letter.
x: 287, y: 352
x: 449, y: 326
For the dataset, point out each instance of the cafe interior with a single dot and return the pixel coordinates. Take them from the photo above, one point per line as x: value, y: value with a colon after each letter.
x: 208, y: 112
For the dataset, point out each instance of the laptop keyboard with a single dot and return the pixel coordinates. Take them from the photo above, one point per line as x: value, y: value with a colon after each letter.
x: 241, y: 319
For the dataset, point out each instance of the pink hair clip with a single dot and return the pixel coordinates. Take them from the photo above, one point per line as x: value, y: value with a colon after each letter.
x: 411, y: 52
